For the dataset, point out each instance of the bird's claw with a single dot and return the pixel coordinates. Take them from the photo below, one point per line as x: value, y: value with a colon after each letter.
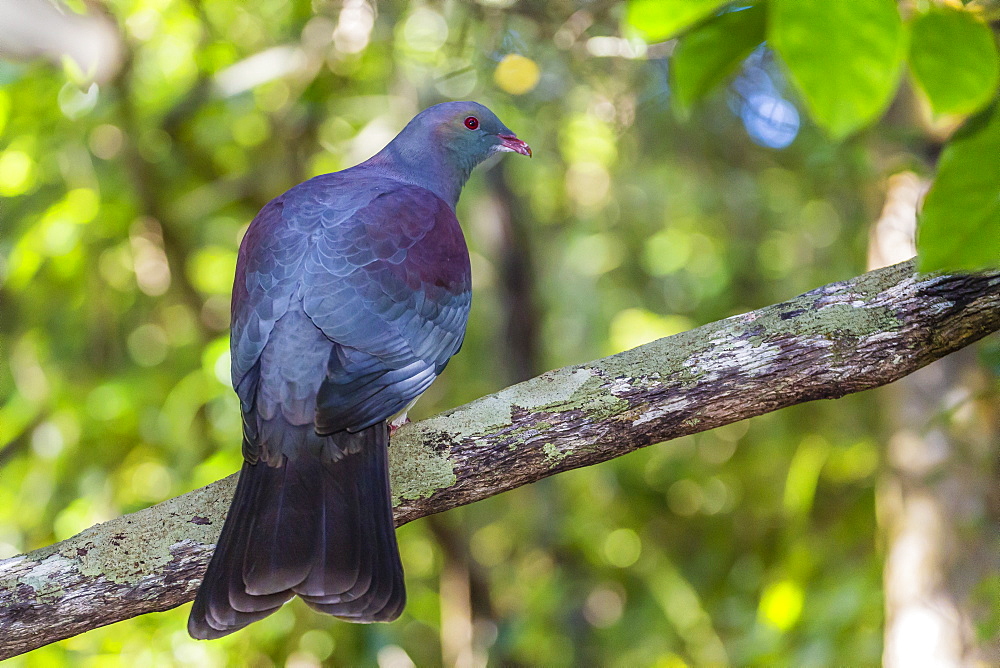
x: 396, y: 424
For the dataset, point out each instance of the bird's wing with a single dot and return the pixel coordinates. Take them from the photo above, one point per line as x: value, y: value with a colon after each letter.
x: 268, y: 272
x: 384, y: 276
x: 392, y: 291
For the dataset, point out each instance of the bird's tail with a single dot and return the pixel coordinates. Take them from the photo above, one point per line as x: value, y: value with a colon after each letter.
x: 318, y: 527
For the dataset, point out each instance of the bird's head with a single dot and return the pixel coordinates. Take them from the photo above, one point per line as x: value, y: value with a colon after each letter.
x: 470, y: 131
x: 442, y: 144
x: 466, y: 132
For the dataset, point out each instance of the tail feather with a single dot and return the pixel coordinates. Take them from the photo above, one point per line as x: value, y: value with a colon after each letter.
x: 373, y: 597
x: 283, y: 528
x: 238, y: 542
x: 315, y: 527
x: 337, y: 565
x: 221, y: 603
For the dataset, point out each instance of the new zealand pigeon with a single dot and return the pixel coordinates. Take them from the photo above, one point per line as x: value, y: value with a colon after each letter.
x: 352, y: 292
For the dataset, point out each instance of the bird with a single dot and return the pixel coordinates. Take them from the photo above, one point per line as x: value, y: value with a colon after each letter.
x: 352, y: 292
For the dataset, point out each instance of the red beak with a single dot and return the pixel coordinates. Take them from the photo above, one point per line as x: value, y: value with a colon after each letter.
x: 513, y: 144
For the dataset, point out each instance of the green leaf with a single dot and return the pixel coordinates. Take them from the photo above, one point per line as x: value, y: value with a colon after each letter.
x: 708, y: 54
x: 953, y: 57
x: 960, y: 223
x: 844, y: 57
x: 657, y: 20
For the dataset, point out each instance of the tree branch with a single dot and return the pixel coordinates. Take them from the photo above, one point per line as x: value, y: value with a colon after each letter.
x: 841, y: 338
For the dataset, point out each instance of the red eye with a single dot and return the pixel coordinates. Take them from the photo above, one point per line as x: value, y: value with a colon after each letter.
x: 472, y: 122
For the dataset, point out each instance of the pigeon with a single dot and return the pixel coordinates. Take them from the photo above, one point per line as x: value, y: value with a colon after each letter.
x: 352, y: 292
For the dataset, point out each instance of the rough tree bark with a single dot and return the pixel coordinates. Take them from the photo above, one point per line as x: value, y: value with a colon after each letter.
x: 841, y: 338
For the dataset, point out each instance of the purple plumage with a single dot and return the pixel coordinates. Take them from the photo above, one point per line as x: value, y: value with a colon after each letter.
x: 352, y: 292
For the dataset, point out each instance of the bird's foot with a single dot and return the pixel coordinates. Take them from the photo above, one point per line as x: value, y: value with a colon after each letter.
x: 397, y: 423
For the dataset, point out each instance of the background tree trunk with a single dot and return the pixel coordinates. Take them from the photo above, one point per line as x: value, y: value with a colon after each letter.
x: 938, y: 492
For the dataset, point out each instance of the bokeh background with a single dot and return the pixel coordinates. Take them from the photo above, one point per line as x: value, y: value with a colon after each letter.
x: 139, y: 137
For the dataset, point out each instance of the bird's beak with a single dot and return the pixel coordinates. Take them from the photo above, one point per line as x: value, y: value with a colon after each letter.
x: 514, y: 145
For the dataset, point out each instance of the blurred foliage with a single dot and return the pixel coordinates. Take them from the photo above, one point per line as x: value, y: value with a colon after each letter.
x: 657, y: 20
x: 124, y: 204
x: 958, y: 221
x: 709, y: 53
x: 844, y: 57
x: 954, y: 59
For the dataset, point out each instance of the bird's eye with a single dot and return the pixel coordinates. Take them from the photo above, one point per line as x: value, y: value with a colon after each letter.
x: 472, y: 122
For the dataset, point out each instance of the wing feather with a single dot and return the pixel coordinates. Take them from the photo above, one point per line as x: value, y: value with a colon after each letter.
x: 379, y: 268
